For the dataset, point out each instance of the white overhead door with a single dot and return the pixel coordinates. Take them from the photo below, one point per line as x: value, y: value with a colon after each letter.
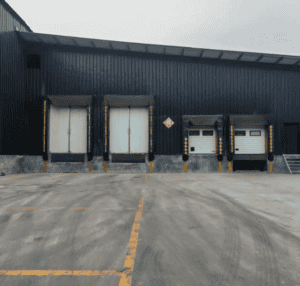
x: 118, y: 130
x: 202, y: 141
x: 78, y: 130
x: 139, y: 130
x: 128, y: 130
x: 249, y: 141
x: 58, y: 133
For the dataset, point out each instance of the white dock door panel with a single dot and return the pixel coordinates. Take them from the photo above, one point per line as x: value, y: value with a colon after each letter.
x: 204, y: 143
x: 78, y: 130
x: 139, y: 130
x: 249, y: 144
x: 118, y: 130
x: 58, y: 133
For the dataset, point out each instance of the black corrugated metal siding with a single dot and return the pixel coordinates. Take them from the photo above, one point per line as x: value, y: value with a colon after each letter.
x: 10, y: 19
x: 12, y: 67
x: 33, y: 112
x: 12, y: 95
x: 180, y: 85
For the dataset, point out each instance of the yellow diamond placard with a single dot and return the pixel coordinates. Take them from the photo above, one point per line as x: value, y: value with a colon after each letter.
x: 168, y: 122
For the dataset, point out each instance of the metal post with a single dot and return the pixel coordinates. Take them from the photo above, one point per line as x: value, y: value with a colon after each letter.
x: 271, y: 167
x: 220, y: 153
x: 271, y: 138
x: 271, y: 146
x: 45, y: 167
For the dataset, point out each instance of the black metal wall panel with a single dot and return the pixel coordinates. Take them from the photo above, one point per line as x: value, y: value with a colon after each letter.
x: 10, y: 19
x: 180, y: 86
x: 12, y: 125
x: 33, y: 113
x: 12, y: 95
x: 11, y: 64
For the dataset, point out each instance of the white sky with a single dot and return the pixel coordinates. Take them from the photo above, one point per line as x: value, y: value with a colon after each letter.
x: 267, y: 26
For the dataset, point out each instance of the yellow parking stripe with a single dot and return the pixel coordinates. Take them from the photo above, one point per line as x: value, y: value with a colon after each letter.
x: 128, y: 263
x: 129, y: 260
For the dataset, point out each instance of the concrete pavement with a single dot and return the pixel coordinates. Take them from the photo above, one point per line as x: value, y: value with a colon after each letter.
x: 193, y: 229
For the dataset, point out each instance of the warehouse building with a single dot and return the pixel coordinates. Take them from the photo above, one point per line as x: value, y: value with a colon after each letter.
x: 84, y: 105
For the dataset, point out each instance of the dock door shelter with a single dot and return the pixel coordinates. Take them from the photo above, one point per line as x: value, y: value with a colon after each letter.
x: 249, y: 137
x: 129, y: 130
x: 249, y: 141
x: 203, y: 132
x: 68, y: 128
x: 128, y: 127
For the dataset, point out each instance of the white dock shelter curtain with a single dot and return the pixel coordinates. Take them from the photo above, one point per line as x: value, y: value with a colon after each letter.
x: 139, y: 130
x: 78, y: 130
x: 128, y: 130
x: 118, y: 130
x: 58, y: 133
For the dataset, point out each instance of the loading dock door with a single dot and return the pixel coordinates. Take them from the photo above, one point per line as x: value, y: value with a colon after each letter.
x: 249, y: 141
x: 59, y: 126
x: 139, y: 130
x: 118, y: 130
x: 78, y: 130
x: 128, y: 130
x: 202, y: 141
x: 68, y: 130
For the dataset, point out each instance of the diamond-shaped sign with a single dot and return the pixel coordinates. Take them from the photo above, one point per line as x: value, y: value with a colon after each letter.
x: 168, y: 122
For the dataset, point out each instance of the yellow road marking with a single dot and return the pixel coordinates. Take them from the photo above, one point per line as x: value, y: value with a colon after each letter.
x: 128, y: 263
x: 129, y: 260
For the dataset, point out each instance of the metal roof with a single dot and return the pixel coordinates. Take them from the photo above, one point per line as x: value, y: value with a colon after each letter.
x: 14, y: 14
x: 162, y: 49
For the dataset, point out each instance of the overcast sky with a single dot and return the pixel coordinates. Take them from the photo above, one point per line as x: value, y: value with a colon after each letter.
x: 267, y: 26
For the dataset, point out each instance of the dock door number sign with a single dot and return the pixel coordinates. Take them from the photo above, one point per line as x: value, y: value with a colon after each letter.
x: 168, y: 122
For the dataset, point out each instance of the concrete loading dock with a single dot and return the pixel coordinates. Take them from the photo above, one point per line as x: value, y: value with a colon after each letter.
x: 182, y: 80
x: 67, y: 129
x: 251, y: 142
x: 203, y: 138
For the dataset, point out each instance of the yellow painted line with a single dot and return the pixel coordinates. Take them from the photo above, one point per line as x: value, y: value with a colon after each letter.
x: 125, y: 280
x: 129, y: 260
x: 61, y: 272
